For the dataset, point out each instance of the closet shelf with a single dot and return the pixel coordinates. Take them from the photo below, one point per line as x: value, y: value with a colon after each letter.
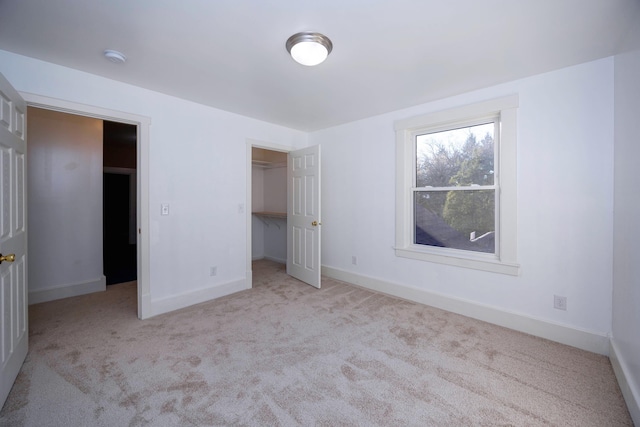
x: 270, y: 217
x: 264, y: 164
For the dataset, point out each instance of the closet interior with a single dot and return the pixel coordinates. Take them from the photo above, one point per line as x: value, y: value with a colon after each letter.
x: 269, y: 205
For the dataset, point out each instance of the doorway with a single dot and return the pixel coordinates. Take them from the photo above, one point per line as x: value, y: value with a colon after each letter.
x: 266, y: 154
x: 142, y: 183
x: 269, y: 205
x: 80, y: 210
x: 300, y: 225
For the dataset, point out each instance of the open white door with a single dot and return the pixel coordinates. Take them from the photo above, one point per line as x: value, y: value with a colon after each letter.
x: 303, y: 216
x: 13, y: 236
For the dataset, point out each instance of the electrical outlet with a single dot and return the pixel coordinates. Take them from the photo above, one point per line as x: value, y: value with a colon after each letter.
x: 164, y: 209
x: 354, y: 260
x: 559, y: 302
x: 213, y: 271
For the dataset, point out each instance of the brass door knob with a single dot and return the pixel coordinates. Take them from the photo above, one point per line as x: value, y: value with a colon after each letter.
x: 316, y: 223
x: 8, y: 258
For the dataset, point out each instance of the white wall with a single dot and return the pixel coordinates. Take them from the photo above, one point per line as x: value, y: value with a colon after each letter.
x: 565, y: 208
x: 64, y: 191
x: 626, y: 230
x: 197, y: 165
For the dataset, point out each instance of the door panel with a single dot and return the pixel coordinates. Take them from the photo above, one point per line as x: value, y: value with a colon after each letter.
x: 303, y: 221
x: 13, y: 236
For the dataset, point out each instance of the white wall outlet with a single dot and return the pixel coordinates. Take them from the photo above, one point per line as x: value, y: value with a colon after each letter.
x: 213, y: 271
x: 164, y: 209
x: 241, y: 208
x: 559, y: 302
x: 354, y: 260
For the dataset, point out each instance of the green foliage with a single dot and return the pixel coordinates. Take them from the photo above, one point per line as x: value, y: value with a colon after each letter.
x: 470, y: 211
x: 469, y: 164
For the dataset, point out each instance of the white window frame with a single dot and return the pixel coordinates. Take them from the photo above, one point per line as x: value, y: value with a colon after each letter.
x: 504, y: 111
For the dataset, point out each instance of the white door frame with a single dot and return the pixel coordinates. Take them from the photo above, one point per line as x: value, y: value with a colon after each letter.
x: 142, y: 123
x: 248, y: 208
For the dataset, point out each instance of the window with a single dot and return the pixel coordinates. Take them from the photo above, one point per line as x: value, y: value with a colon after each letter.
x: 456, y: 186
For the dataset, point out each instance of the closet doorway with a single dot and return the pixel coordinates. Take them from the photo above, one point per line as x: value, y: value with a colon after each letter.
x: 284, y: 209
x: 268, y: 205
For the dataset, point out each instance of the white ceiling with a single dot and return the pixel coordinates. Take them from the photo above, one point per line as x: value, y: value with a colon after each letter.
x: 388, y: 55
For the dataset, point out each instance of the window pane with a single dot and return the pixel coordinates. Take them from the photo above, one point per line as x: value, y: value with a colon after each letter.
x: 458, y: 157
x: 460, y: 219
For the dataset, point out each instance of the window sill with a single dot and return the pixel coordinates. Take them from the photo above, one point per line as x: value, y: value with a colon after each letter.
x: 476, y: 263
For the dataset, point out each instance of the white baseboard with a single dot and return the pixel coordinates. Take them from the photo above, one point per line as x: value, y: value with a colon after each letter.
x: 586, y: 340
x: 630, y: 389
x: 176, y: 302
x: 68, y: 290
x: 270, y: 258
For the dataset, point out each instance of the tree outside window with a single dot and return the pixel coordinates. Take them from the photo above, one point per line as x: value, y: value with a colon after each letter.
x: 454, y: 195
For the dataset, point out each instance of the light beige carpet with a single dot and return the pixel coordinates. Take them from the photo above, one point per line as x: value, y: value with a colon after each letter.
x: 284, y: 353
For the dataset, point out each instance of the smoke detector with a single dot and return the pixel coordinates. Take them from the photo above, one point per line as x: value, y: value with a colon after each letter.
x: 115, y: 56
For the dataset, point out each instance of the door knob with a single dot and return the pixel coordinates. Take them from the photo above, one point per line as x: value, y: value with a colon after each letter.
x: 316, y: 223
x: 8, y: 258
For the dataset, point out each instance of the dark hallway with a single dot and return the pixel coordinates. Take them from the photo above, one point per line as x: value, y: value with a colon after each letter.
x: 119, y: 254
x: 119, y: 203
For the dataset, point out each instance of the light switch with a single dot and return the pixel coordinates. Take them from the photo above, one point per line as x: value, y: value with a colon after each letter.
x: 164, y: 209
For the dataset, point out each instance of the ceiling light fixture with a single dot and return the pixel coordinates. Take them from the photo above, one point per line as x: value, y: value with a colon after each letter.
x: 309, y: 48
x: 115, y: 56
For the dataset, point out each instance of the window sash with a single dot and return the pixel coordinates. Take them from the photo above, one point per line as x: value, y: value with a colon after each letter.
x: 495, y: 254
x: 493, y: 118
x: 457, y: 188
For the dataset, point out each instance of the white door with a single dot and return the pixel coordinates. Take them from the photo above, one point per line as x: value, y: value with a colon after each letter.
x: 13, y: 236
x: 303, y: 216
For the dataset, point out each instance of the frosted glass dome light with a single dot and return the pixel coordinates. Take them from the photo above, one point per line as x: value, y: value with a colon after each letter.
x: 309, y: 48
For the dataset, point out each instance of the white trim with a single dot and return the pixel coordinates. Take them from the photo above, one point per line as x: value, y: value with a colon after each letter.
x: 143, y: 140
x: 176, y: 302
x: 472, y: 261
x: 445, y: 116
x: 505, y: 259
x: 583, y: 339
x: 630, y: 390
x: 248, y: 208
x: 68, y: 290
